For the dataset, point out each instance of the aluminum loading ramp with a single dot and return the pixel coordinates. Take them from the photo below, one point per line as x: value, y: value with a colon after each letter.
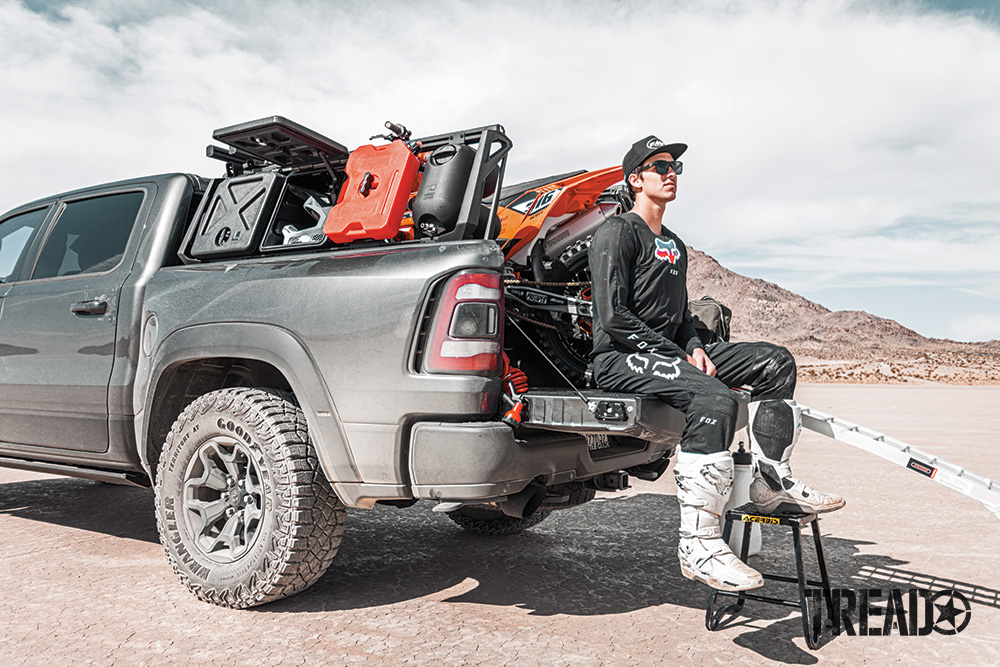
x: 954, y: 477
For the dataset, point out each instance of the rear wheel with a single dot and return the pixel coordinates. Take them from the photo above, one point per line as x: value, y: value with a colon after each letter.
x: 570, y: 343
x: 244, y: 512
x: 564, y: 496
x: 488, y: 520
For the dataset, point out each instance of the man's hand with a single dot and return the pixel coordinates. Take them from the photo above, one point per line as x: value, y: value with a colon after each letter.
x: 700, y: 360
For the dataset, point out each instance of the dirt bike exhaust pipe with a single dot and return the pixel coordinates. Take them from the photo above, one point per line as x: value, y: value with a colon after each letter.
x: 577, y: 229
x: 524, y: 503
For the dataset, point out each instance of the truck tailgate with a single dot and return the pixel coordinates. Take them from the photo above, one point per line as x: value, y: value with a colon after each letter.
x: 635, y: 415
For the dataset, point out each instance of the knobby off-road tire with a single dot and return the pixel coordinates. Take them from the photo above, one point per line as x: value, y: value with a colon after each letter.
x: 571, y: 353
x: 244, y: 512
x: 577, y: 492
x: 491, y: 521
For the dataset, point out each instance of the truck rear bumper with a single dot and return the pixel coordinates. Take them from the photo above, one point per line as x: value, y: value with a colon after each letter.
x: 482, y: 460
x: 560, y: 441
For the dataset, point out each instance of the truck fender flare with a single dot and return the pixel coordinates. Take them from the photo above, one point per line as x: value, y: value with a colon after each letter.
x: 260, y: 342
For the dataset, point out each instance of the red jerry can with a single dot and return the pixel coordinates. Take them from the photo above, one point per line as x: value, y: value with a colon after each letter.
x: 373, y: 200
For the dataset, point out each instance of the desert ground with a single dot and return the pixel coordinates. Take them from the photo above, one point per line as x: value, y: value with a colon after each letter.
x: 83, y: 579
x: 904, y: 367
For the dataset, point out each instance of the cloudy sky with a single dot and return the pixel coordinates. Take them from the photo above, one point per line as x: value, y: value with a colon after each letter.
x: 849, y: 151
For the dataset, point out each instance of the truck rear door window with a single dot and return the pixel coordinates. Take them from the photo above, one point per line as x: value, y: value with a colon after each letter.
x: 90, y: 236
x: 15, y: 233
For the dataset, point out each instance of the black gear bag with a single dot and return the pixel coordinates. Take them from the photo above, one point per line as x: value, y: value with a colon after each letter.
x: 711, y: 319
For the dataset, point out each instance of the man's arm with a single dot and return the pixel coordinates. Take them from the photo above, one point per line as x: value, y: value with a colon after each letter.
x: 612, y: 259
x: 687, y: 335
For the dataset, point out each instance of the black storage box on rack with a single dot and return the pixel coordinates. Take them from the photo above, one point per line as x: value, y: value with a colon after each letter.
x: 233, y: 215
x: 274, y: 167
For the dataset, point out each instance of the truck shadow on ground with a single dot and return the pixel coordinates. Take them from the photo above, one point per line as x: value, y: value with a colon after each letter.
x: 611, y: 556
x: 121, y: 511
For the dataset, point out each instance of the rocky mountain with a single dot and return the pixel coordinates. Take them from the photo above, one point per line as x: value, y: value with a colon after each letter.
x: 843, y: 345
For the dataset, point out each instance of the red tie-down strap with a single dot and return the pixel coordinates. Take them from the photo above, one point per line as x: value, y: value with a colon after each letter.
x: 515, y: 383
x: 513, y: 376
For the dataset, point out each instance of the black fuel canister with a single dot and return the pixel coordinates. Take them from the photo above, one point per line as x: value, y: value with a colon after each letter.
x: 439, y: 199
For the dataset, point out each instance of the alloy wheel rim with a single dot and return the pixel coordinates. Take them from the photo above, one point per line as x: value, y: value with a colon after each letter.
x: 223, y: 499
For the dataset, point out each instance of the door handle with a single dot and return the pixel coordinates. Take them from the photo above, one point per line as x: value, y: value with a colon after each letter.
x: 98, y: 307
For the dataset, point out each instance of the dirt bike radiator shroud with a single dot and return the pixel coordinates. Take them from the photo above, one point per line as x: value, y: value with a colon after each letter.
x: 374, y: 196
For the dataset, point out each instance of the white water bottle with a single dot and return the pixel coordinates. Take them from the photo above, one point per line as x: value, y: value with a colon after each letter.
x: 742, y: 476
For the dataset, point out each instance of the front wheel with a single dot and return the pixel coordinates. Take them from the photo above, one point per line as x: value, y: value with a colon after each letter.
x: 244, y: 512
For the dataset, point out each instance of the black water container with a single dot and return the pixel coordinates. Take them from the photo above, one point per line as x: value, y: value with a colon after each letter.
x: 439, y: 199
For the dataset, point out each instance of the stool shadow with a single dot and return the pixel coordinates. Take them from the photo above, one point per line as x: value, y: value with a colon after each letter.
x: 870, y: 576
x: 611, y: 556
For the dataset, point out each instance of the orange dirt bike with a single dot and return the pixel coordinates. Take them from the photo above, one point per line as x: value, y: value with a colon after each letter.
x: 545, y: 231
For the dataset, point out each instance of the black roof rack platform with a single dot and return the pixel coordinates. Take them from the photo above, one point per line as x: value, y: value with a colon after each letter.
x: 285, y: 143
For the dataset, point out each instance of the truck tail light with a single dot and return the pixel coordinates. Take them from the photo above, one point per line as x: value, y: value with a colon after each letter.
x: 466, y: 335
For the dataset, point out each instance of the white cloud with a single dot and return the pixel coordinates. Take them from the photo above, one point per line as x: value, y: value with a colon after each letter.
x: 815, y: 128
x: 827, y: 259
x: 976, y: 327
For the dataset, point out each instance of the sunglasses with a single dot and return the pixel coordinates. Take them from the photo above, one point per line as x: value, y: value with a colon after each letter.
x: 663, y: 167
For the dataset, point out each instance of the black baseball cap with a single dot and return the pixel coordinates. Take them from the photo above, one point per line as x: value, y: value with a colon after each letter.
x: 642, y: 149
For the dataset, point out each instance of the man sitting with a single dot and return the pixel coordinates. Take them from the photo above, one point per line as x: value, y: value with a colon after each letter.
x: 645, y: 342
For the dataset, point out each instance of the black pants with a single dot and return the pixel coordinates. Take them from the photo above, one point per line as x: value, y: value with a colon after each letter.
x: 708, y: 403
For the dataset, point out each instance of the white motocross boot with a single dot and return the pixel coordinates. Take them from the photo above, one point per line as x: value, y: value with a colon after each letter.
x: 704, y: 482
x: 774, y: 429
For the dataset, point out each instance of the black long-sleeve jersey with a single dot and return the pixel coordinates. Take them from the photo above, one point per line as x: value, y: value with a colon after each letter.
x: 640, y: 289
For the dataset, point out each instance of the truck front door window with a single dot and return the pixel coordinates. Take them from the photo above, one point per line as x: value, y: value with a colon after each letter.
x: 15, y: 233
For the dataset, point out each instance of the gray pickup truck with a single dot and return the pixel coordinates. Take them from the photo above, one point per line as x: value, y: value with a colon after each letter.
x: 260, y: 388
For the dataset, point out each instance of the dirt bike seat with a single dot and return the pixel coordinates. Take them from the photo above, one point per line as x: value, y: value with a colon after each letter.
x: 512, y: 192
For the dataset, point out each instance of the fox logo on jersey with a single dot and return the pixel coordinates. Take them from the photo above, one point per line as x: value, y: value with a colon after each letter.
x: 667, y: 250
